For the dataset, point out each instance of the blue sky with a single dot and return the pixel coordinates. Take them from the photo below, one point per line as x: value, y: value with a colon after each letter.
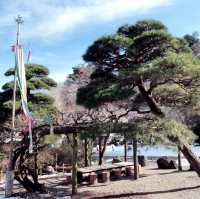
x: 59, y: 31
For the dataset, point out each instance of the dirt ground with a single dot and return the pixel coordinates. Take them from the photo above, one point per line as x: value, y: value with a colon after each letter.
x: 152, y: 184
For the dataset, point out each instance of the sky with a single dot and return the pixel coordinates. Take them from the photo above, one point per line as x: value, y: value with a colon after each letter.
x: 58, y: 32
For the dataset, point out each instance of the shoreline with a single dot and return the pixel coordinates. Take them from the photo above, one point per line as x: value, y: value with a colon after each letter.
x: 145, y: 150
x: 130, y: 158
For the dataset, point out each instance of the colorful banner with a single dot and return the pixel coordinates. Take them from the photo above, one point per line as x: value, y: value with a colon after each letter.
x: 21, y: 79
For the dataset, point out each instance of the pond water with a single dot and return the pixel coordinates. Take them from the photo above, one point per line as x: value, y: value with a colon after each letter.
x: 157, y: 151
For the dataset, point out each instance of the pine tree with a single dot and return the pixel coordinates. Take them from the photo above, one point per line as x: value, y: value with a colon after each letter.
x: 39, y: 101
x: 194, y: 43
x: 146, y: 64
x: 40, y: 105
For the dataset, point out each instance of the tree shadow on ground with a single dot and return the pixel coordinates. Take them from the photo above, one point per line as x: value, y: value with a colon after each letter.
x: 168, y: 171
x: 173, y: 172
x: 147, y: 193
x: 59, y: 191
x: 157, y: 169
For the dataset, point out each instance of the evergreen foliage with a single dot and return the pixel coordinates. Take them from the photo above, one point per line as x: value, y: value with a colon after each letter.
x: 156, y: 131
x: 194, y: 43
x: 39, y: 102
x: 142, y: 60
x: 148, y: 66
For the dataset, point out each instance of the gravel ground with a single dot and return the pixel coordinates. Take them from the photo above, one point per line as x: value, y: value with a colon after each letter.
x: 152, y: 184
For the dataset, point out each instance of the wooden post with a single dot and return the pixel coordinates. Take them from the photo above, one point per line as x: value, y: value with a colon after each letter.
x: 74, y: 163
x: 100, y: 150
x: 125, y: 150
x: 135, y: 158
x: 40, y: 170
x: 179, y: 160
x: 90, y: 152
x: 86, y: 152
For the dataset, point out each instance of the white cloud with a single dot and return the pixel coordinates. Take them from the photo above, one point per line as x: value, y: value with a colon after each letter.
x: 46, y: 18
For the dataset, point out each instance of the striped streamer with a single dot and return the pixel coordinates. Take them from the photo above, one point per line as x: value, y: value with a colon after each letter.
x: 21, y: 79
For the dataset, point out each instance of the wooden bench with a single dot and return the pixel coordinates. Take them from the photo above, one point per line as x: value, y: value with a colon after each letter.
x: 102, y: 171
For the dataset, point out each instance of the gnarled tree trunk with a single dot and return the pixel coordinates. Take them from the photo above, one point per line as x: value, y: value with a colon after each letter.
x: 155, y: 109
x: 102, y: 149
x: 179, y: 160
x: 190, y: 156
x: 26, y: 176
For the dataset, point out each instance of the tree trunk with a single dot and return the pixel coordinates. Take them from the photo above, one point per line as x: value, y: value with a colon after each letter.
x: 125, y: 150
x: 35, y: 159
x: 74, y: 163
x: 135, y: 158
x: 179, y: 160
x: 191, y: 157
x: 90, y: 150
x: 26, y: 176
x: 105, y: 143
x: 150, y: 101
x: 100, y: 151
x: 155, y: 109
x: 86, y: 152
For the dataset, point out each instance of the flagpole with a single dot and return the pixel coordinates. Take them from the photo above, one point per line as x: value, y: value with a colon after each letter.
x: 10, y: 170
x: 19, y: 21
